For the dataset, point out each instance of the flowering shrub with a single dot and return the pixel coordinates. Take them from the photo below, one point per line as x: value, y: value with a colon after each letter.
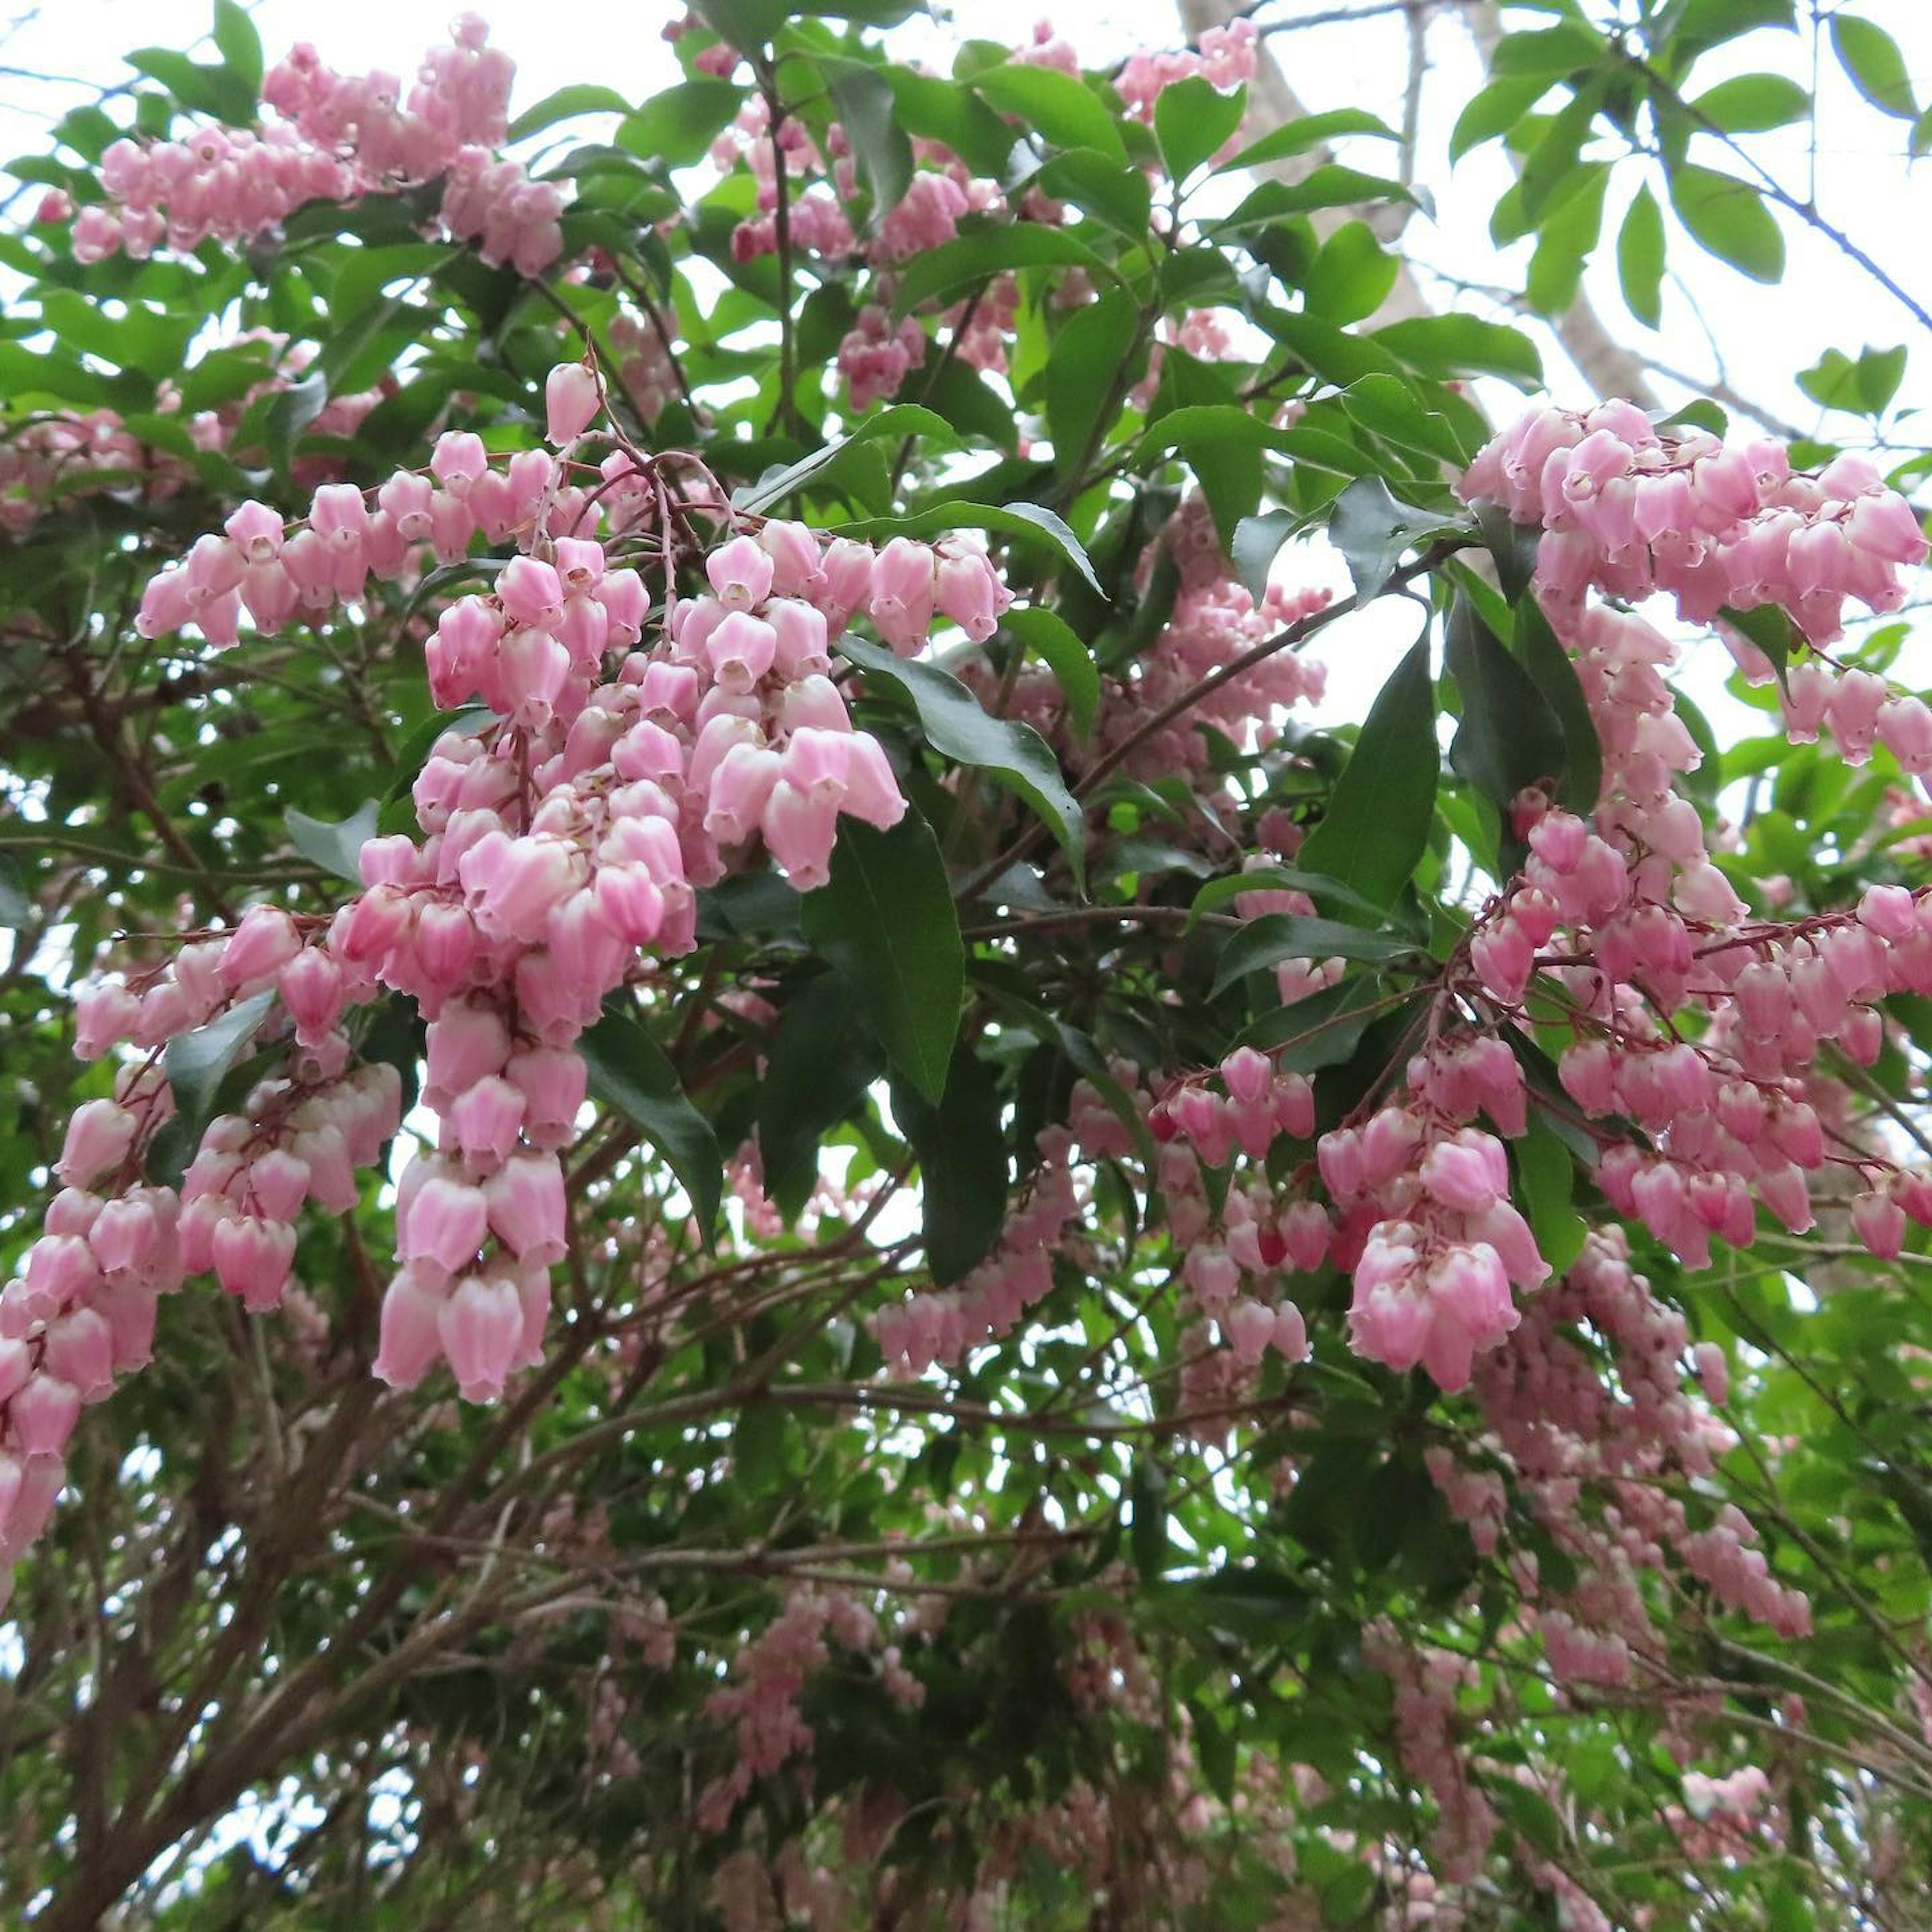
x: 754, y: 1162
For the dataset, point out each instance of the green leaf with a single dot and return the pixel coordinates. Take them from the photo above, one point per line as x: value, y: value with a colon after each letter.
x: 1372, y: 530
x: 336, y: 847
x: 1508, y: 737
x: 1493, y: 110
x: 1447, y: 346
x: 16, y: 907
x: 678, y: 126
x: 1192, y: 120
x: 1305, y: 131
x: 1871, y: 58
x: 1352, y: 275
x: 939, y: 272
x: 1749, y: 103
x: 1121, y: 197
x: 567, y: 103
x: 1769, y: 629
x: 1376, y: 828
x: 1554, y: 673
x: 1865, y: 387
x: 1086, y: 376
x: 1546, y: 1172
x: 867, y: 112
x: 885, y: 925
x: 1258, y: 542
x: 1726, y: 217
x: 958, y: 727
x: 1277, y: 936
x: 822, y: 1060
x: 239, y: 45
x: 1065, y: 111
x: 1330, y: 185
x: 962, y: 1164
x: 197, y: 1063
x: 1640, y: 255
x: 1322, y: 1030
x: 960, y: 513
x: 631, y: 1072
x: 1549, y: 51
x: 1049, y: 637
x: 901, y: 419
x: 1283, y: 879
x: 1147, y: 1535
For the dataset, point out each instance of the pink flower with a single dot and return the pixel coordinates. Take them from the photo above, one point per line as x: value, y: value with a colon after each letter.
x: 481, y: 1327
x: 571, y: 402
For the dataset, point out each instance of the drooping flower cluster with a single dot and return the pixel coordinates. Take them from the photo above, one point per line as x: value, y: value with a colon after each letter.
x: 340, y: 136
x: 560, y: 839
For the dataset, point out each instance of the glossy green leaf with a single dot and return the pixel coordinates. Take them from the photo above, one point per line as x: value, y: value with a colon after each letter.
x: 962, y: 1164
x: 197, y: 1063
x: 1372, y: 530
x: 867, y: 112
x: 939, y: 272
x: 958, y: 727
x: 1050, y: 637
x: 1279, y: 936
x: 1554, y: 673
x: 239, y: 44
x: 885, y: 923
x: 1309, y: 130
x: 1376, y: 827
x: 678, y: 126
x: 568, y: 104
x: 1087, y: 373
x: 822, y: 1059
x: 1509, y: 737
x: 1193, y: 120
x: 631, y: 1072
x: 1065, y: 111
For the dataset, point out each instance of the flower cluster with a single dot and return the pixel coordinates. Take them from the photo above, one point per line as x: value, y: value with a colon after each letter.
x: 340, y: 136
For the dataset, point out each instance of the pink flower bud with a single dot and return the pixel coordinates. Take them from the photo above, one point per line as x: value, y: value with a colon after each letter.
x: 42, y: 1416
x: 99, y: 1137
x: 525, y: 1207
x: 410, y: 1343
x: 252, y: 1259
x: 1288, y: 1336
x: 1880, y: 1223
x: 80, y: 1350
x: 481, y: 1327
x: 571, y: 402
x: 552, y: 1083
x: 264, y: 942
x: 741, y: 648
x: 445, y: 1223
x: 458, y: 459
x: 741, y: 574
x: 739, y: 790
x: 105, y: 1013
x: 902, y: 602
x: 486, y: 1120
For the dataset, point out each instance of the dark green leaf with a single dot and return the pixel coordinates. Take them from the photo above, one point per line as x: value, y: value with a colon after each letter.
x: 1048, y: 636
x: 1277, y: 936
x: 1086, y: 376
x: 15, y: 907
x: 1372, y: 530
x: 958, y: 727
x: 631, y: 1072
x: 959, y: 513
x: 1550, y: 666
x: 196, y: 1063
x: 1258, y: 542
x: 678, y: 126
x: 1546, y: 1175
x: 823, y: 1058
x: 1376, y: 827
x: 962, y: 1165
x: 940, y: 272
x: 885, y: 925
x: 864, y: 98
x: 1508, y: 737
